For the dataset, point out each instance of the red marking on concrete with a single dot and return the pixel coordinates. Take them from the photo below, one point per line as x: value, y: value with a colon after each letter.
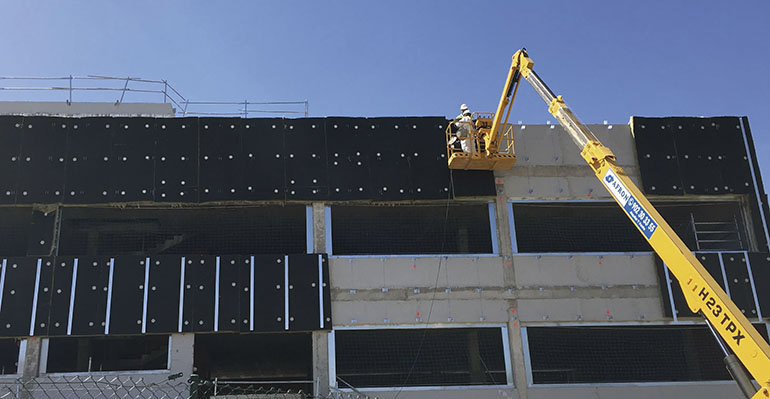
x: 515, y: 324
x: 414, y: 266
x: 608, y: 311
x: 418, y: 314
x: 508, y: 263
x: 600, y: 262
x: 499, y: 181
x: 501, y: 199
x: 589, y: 194
x: 513, y: 310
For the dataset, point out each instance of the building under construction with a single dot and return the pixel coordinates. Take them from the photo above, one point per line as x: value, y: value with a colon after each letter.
x: 341, y: 256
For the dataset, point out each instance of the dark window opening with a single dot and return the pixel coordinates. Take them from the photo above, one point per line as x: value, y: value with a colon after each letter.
x: 604, y: 227
x: 68, y: 354
x: 243, y: 362
x: 14, y: 230
x: 182, y: 231
x: 411, y: 229
x: 9, y: 356
x: 420, y: 357
x: 569, y: 355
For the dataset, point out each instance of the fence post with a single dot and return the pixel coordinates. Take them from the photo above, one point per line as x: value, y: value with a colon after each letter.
x: 194, y: 381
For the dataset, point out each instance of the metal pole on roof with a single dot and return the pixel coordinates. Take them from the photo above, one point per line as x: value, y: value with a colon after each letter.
x: 70, y: 100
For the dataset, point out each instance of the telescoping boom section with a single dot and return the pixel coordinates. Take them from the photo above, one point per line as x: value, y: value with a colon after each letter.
x: 730, y: 327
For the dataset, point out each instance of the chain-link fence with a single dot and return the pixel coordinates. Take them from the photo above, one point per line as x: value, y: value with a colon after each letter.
x: 124, y: 387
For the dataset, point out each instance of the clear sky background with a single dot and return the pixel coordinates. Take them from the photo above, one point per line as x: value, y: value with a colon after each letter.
x: 610, y: 59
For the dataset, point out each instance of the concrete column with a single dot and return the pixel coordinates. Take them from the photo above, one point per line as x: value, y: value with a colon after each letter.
x: 182, y: 354
x: 517, y: 356
x: 31, y: 367
x: 320, y: 363
x: 319, y: 227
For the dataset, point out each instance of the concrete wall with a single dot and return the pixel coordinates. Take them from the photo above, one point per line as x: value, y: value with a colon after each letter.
x: 85, y: 109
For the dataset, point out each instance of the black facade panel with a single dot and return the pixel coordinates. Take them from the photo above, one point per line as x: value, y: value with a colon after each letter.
x: 657, y: 155
x: 760, y: 267
x: 89, y: 159
x: 132, y: 164
x: 348, y: 142
x: 304, y: 298
x: 269, y: 293
x: 61, y: 295
x: 18, y: 293
x: 472, y: 183
x: 11, y: 128
x: 230, y: 288
x: 89, y: 314
x: 738, y: 281
x: 41, y: 231
x: 221, y: 159
x: 163, y: 294
x: 43, y: 159
x: 127, y: 295
x: 176, y: 160
x: 245, y: 295
x: 305, y: 159
x: 264, y: 171
x: 200, y: 289
x: 44, y: 296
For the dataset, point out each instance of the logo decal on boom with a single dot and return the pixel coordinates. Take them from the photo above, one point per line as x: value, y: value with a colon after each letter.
x: 630, y: 205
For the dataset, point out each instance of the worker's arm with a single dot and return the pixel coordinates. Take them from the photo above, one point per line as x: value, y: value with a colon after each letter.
x: 701, y: 291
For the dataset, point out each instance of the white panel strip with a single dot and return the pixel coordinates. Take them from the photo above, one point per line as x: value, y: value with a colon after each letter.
x: 109, y: 298
x: 507, y: 355
x: 309, y: 228
x: 34, y: 299
x: 753, y: 286
x: 527, y: 356
x: 286, y: 292
x: 756, y: 184
x: 320, y: 291
x: 671, y: 292
x: 181, y: 295
x: 72, y: 295
x: 512, y: 227
x: 251, y: 294
x: 724, y: 275
x: 2, y: 283
x: 328, y: 229
x: 146, y: 289
x: 493, y: 228
x: 216, y: 298
x: 332, y: 360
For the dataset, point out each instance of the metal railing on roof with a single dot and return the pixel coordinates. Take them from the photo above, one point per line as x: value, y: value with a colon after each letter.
x: 149, y: 88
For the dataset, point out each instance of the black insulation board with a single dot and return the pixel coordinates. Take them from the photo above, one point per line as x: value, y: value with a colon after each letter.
x: 686, y: 155
x: 738, y: 280
x: 760, y: 267
x: 251, y: 295
x: 128, y: 159
x: 41, y: 230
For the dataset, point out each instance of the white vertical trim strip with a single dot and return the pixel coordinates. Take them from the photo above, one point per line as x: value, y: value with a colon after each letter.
x: 527, y: 356
x: 43, y: 368
x: 181, y: 294
x: 670, y: 292
x: 216, y: 297
x: 328, y: 229
x: 108, y: 313
x: 756, y: 185
x: 34, y: 299
x: 724, y: 274
x: 146, y: 289
x: 507, y: 355
x: 332, y: 360
x: 493, y: 228
x: 512, y: 227
x: 72, y: 295
x: 320, y: 291
x: 22, y: 356
x: 286, y: 292
x: 168, y: 357
x: 753, y: 286
x: 309, y: 228
x: 251, y: 294
x: 2, y: 283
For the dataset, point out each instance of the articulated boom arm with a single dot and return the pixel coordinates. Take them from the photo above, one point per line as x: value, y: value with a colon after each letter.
x: 701, y: 291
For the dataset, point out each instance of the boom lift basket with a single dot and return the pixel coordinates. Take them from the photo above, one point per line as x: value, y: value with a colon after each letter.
x: 477, y: 133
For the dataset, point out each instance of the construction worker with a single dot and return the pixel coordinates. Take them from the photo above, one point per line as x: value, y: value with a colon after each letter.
x: 463, y: 108
x: 465, y: 130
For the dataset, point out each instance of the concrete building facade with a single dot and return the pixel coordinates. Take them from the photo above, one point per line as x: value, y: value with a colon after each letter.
x: 532, y: 285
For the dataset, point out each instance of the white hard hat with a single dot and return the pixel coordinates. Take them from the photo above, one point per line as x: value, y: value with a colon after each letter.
x: 463, y: 107
x: 466, y: 112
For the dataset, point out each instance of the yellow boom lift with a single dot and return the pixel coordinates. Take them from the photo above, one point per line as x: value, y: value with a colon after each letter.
x: 492, y: 149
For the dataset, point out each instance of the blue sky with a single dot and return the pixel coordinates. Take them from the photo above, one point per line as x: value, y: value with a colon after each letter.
x: 610, y: 59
